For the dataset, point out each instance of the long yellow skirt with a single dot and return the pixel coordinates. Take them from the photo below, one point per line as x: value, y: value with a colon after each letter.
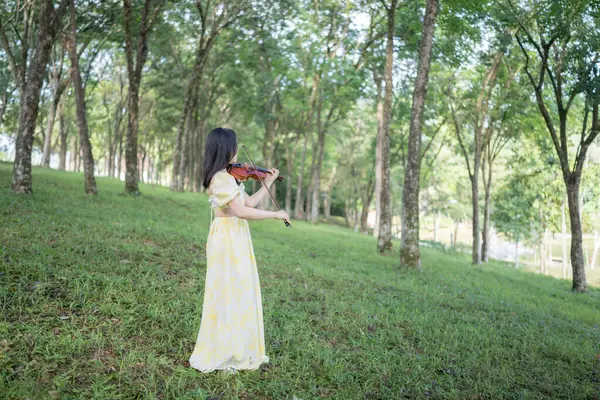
x: 231, y: 330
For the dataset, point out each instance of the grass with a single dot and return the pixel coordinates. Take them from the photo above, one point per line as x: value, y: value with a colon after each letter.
x: 101, y: 298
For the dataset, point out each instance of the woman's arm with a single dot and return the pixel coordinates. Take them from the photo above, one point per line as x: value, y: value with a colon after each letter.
x: 252, y: 201
x: 240, y: 210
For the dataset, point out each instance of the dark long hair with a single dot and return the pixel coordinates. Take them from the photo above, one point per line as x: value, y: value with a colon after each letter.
x: 221, y: 146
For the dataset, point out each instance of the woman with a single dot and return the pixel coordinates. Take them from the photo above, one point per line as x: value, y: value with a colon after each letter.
x: 231, y: 333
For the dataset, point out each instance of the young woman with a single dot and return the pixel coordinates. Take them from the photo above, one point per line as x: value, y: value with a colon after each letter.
x: 231, y: 333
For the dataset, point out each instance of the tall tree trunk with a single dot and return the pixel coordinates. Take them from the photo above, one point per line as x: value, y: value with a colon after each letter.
x: 64, y: 134
x: 4, y: 104
x: 378, y: 84
x: 384, y: 240
x: 327, y: 199
x: 120, y: 158
x: 455, y: 237
x: 410, y: 255
x: 74, y: 151
x: 47, y: 150
x: 367, y: 198
x: 117, y: 131
x: 86, y: 146
x: 309, y: 188
x: 290, y: 155
x: 299, y: 207
x: 577, y: 261
x: 203, y: 49
x: 347, y: 212
x: 48, y: 26
x: 179, y: 173
x: 58, y: 87
x: 134, y: 72
x: 271, y: 124
x: 315, y: 204
x: 487, y: 208
x: 200, y: 161
x: 481, y: 111
x: 542, y: 247
x: 564, y: 238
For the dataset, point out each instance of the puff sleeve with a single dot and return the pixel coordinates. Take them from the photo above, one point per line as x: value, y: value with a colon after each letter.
x: 224, y: 189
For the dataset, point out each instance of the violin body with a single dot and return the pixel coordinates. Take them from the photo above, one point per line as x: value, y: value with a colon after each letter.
x: 243, y: 172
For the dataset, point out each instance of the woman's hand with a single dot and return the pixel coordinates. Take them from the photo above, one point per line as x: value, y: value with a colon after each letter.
x: 272, y: 176
x: 283, y: 215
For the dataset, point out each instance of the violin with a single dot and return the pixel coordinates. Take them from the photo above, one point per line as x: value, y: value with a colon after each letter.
x: 244, y: 171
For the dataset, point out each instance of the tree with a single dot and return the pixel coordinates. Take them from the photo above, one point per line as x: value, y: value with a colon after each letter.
x: 82, y: 124
x: 508, y: 111
x: 479, y: 114
x: 59, y: 84
x: 29, y: 74
x: 384, y: 238
x: 561, y: 41
x: 214, y: 18
x: 134, y: 73
x: 409, y: 253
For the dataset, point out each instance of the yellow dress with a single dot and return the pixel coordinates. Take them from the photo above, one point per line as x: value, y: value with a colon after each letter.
x: 231, y: 332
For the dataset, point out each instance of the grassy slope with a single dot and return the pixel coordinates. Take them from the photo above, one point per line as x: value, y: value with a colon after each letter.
x: 102, y: 298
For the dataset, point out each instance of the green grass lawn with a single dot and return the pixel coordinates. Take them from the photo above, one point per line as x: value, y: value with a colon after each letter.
x: 101, y: 298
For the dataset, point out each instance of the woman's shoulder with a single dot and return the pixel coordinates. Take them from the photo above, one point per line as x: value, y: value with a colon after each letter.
x: 222, y: 177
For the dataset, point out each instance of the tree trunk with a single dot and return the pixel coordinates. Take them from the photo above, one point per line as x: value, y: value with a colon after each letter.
x: 86, y: 146
x: 191, y: 98
x: 289, y: 159
x: 117, y: 131
x: 410, y: 255
x: 120, y: 158
x: 299, y: 206
x: 346, y: 212
x: 487, y: 210
x: 378, y: 84
x: 327, y: 199
x: 179, y: 173
x: 64, y: 134
x: 309, y: 189
x: 366, y: 205
x: 48, y: 26
x: 455, y: 238
x: 269, y: 141
x: 564, y: 239
x: 384, y: 238
x: 134, y: 72
x: 200, y: 159
x: 74, y: 152
x: 577, y: 261
x: 58, y: 87
x: 47, y: 151
x: 316, y: 181
x: 4, y: 105
x: 542, y: 247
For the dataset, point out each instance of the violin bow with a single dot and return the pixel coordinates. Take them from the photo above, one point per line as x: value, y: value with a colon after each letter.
x: 263, y: 183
